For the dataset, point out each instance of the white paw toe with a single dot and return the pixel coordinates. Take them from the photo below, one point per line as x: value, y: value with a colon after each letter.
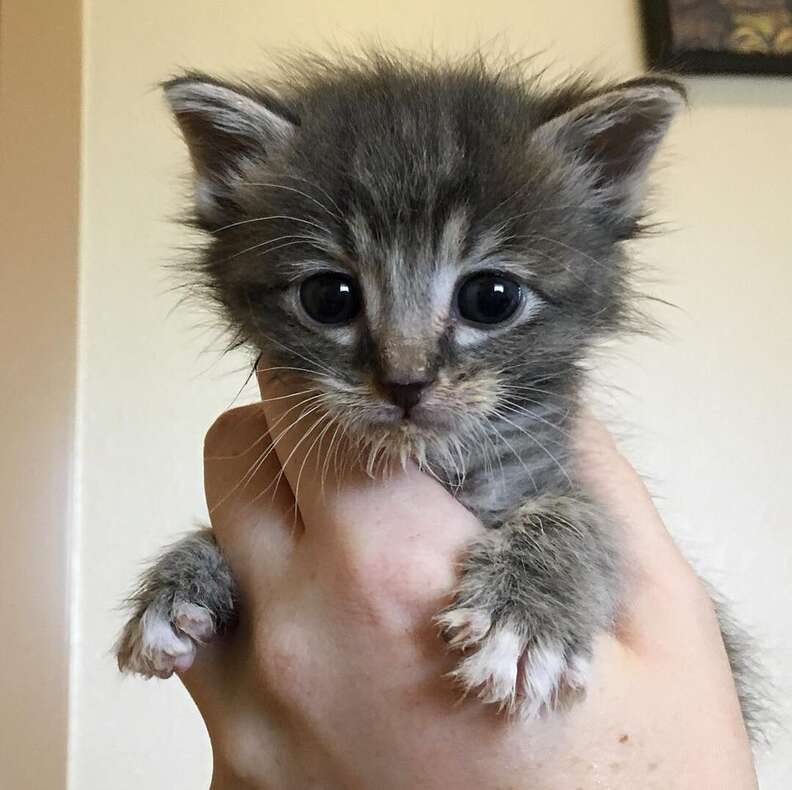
x: 464, y: 626
x: 527, y: 678
x: 492, y: 669
x: 195, y: 621
x: 153, y: 646
x: 542, y: 670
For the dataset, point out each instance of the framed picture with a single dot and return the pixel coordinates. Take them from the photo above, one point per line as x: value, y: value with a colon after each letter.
x: 719, y: 36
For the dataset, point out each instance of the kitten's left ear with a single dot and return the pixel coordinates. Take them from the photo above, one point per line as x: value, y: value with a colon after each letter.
x: 612, y: 137
x: 226, y: 127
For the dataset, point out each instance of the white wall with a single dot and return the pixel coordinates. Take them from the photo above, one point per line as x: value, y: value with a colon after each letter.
x: 708, y: 405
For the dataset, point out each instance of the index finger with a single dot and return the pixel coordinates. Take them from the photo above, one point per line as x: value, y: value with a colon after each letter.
x: 251, y: 520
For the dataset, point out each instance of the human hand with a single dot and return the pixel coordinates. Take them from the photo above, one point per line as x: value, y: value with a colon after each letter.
x: 335, y: 676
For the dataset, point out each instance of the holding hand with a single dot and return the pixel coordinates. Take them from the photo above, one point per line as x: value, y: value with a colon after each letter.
x: 334, y: 677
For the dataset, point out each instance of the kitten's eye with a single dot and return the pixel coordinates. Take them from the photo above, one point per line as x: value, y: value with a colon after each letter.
x: 330, y: 298
x: 489, y: 298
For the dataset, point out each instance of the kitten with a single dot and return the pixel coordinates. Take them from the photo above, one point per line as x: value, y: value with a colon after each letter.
x: 436, y: 248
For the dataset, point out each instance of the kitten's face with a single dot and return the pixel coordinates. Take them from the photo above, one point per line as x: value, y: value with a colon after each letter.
x: 431, y: 252
x: 413, y: 336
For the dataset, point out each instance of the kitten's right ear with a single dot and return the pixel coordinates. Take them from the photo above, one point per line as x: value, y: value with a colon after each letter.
x: 226, y: 127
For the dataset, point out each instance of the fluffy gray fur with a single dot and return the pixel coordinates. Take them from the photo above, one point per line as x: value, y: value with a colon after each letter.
x: 406, y: 176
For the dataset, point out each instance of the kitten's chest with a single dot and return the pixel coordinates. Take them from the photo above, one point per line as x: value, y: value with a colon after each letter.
x: 516, y: 463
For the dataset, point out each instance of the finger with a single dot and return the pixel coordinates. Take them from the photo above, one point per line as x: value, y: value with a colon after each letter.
x: 250, y: 535
x: 621, y: 489
x: 341, y: 496
x: 207, y: 678
x: 301, y: 431
x: 252, y: 519
x: 663, y: 592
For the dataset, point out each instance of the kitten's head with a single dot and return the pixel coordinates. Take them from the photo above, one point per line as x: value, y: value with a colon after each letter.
x: 431, y: 247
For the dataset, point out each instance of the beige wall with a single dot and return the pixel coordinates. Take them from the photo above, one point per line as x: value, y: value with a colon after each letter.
x: 39, y: 146
x: 707, y: 410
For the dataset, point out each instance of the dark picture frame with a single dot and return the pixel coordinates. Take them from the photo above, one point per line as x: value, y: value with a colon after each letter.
x: 668, y: 50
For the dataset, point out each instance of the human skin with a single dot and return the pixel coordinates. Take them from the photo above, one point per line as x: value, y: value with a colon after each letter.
x: 336, y: 679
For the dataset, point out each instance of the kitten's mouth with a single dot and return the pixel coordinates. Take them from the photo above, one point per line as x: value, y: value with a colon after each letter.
x: 419, y: 419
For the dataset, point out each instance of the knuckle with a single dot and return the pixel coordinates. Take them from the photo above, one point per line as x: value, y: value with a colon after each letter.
x: 283, y: 658
x: 230, y: 433
x: 392, y: 590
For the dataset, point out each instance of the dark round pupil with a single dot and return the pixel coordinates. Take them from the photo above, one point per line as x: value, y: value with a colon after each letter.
x: 330, y: 298
x: 489, y: 299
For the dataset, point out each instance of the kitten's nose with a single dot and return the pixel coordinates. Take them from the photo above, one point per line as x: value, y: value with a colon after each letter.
x: 405, y: 394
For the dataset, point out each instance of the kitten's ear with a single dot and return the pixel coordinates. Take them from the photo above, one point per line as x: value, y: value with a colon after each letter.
x: 613, y: 136
x: 226, y: 127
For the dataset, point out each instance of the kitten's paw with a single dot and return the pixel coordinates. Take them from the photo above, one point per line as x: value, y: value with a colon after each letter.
x: 160, y: 642
x: 503, y: 667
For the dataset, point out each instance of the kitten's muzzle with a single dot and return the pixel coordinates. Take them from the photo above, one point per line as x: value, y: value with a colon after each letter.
x: 404, y: 394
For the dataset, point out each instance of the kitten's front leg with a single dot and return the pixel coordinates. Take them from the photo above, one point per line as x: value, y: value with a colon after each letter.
x: 186, y: 597
x: 532, y: 595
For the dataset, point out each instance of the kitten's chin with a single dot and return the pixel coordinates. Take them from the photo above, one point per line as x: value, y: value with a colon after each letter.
x: 396, y: 439
x: 437, y: 421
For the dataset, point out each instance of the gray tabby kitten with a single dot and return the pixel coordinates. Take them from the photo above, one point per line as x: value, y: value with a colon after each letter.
x: 434, y: 248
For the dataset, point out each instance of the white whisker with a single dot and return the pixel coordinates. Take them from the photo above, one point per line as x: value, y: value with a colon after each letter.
x: 537, y: 443
x: 317, y: 186
x: 299, y: 192
x: 300, y: 238
x: 517, y: 409
x: 308, y: 452
x: 264, y: 435
x: 270, y: 218
x: 276, y: 482
x: 516, y: 455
